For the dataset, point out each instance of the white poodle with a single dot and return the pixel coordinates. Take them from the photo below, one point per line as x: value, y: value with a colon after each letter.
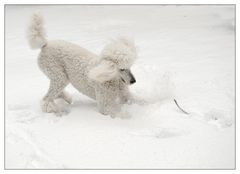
x: 104, y: 78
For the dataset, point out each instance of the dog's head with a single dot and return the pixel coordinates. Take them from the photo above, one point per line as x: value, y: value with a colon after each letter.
x: 115, y: 62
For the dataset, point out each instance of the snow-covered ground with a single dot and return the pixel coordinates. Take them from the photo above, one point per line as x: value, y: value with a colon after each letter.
x: 185, y: 52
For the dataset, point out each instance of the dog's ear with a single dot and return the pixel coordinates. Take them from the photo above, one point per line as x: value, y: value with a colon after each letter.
x: 104, y: 71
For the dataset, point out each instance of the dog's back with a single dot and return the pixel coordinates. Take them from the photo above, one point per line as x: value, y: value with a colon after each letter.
x: 67, y: 55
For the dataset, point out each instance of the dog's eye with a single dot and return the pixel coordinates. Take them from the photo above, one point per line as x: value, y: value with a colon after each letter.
x: 121, y: 69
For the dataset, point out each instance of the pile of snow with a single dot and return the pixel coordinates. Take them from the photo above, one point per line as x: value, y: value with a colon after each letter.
x: 185, y: 52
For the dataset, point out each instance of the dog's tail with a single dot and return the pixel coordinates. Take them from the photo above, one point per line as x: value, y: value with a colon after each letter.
x: 36, y: 33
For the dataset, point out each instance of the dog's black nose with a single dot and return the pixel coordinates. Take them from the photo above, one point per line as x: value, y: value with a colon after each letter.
x: 132, y: 81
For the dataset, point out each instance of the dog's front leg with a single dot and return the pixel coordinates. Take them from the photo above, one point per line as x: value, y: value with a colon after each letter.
x: 107, y: 101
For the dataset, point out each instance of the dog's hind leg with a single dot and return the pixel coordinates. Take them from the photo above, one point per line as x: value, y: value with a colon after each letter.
x: 57, y: 85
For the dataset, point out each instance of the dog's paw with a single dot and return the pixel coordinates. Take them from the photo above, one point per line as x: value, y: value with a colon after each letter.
x: 122, y: 115
x: 49, y: 107
x: 65, y: 96
x: 125, y: 115
x: 62, y: 113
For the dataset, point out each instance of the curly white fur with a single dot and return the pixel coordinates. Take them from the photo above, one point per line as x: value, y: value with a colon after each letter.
x: 36, y: 34
x: 98, y: 77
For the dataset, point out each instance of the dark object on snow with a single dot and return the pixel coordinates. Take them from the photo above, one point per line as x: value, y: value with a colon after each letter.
x: 180, y: 107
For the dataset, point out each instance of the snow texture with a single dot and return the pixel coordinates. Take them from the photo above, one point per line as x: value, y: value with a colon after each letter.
x: 184, y: 52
